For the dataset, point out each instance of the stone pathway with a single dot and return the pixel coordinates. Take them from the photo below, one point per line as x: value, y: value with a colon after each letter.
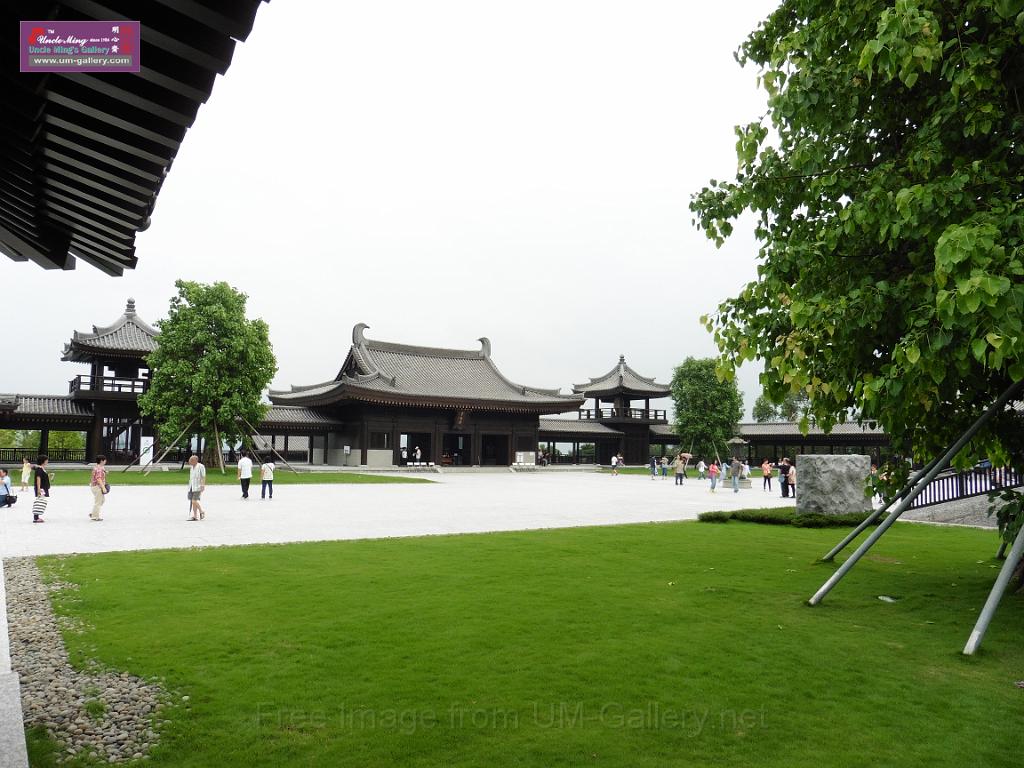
x: 108, y: 714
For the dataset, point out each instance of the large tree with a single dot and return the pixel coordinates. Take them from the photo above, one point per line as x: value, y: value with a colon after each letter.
x: 211, y: 366
x: 791, y: 408
x: 887, y: 185
x: 707, y: 407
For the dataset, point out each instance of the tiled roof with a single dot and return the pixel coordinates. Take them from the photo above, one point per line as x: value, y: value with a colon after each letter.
x: 83, y: 155
x: 663, y: 430
x: 622, y: 379
x: 54, y: 406
x: 384, y: 372
x: 792, y: 429
x: 128, y: 336
x: 578, y: 427
x: 297, y: 416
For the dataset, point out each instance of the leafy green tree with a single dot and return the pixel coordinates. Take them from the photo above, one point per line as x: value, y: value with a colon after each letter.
x: 707, y: 408
x: 887, y: 184
x: 68, y: 440
x: 211, y: 366
x: 791, y: 408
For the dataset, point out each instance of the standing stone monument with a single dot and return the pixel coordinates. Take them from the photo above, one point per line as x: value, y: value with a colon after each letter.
x: 832, y: 485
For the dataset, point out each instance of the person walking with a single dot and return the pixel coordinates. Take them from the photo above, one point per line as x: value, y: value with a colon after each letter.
x: 654, y: 467
x: 42, y: 484
x: 196, y: 486
x: 615, y: 465
x: 26, y: 473
x: 736, y: 469
x: 679, y: 465
x: 267, y: 476
x: 664, y: 467
x: 791, y: 477
x: 766, y: 473
x: 702, y: 469
x: 417, y: 453
x: 713, y: 473
x: 245, y: 474
x: 98, y: 486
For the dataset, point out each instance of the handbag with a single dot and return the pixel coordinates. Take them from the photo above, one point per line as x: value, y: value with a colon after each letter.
x: 106, y: 488
x: 11, y: 499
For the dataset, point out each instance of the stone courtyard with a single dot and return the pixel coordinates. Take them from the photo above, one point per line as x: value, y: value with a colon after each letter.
x: 154, y: 517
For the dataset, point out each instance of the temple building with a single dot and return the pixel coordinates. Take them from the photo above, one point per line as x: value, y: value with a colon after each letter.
x: 393, y: 404
x: 452, y: 406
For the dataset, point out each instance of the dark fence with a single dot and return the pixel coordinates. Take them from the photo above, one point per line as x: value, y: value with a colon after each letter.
x: 15, y: 455
x: 622, y: 413
x: 964, y: 485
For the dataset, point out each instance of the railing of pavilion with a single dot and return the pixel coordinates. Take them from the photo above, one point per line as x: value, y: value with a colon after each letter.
x: 648, y: 414
x: 15, y: 455
x: 88, y: 383
x: 964, y: 485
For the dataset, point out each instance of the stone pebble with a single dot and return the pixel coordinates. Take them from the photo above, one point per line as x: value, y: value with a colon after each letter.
x: 114, y: 716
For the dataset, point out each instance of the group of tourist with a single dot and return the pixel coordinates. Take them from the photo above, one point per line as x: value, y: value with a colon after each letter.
x: 40, y: 477
x: 39, y: 474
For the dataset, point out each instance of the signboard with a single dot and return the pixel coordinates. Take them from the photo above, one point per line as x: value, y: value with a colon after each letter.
x: 80, y: 46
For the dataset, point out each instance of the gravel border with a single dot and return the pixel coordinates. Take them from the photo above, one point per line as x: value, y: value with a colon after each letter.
x: 114, y: 716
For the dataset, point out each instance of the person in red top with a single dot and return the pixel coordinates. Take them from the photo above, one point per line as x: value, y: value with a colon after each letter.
x: 98, y: 486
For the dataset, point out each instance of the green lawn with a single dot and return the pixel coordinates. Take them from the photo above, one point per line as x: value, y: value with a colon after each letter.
x: 681, y: 644
x: 282, y: 476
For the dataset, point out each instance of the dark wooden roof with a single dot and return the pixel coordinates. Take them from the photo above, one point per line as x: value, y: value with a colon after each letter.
x: 36, y: 411
x: 400, y: 374
x: 622, y: 380
x: 296, y: 417
x: 82, y: 155
x: 128, y: 336
x: 790, y: 430
x: 585, y: 428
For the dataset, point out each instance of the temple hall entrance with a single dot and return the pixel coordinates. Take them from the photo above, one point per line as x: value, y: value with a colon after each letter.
x: 456, y: 450
x: 408, y: 442
x: 494, y: 450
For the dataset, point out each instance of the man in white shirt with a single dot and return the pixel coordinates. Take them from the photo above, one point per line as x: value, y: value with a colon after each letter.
x: 267, y: 476
x: 245, y: 474
x: 196, y: 486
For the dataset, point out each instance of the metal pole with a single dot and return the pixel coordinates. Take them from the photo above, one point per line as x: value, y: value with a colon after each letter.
x: 877, y: 513
x: 148, y: 467
x: 1009, y: 566
x: 937, y: 467
x: 274, y: 450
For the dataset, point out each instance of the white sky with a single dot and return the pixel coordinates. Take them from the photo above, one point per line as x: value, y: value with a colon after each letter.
x: 443, y: 171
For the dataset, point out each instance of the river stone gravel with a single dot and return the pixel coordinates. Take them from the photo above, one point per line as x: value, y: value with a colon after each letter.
x: 112, y: 715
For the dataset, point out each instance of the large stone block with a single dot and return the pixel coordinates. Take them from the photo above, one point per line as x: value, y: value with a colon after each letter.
x: 832, y: 485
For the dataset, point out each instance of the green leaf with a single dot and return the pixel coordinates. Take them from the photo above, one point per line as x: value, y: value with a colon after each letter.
x: 978, y: 347
x: 913, y: 354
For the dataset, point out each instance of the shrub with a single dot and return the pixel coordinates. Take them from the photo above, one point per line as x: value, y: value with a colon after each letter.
x: 714, y: 517
x: 786, y: 517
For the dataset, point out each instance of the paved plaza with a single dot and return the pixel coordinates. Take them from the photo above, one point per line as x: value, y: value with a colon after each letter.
x: 154, y: 517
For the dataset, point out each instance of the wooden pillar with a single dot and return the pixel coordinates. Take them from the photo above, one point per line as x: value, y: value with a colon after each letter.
x: 309, y: 449
x: 44, y: 441
x: 94, y: 442
x: 284, y: 451
x: 364, y: 439
x: 477, y: 447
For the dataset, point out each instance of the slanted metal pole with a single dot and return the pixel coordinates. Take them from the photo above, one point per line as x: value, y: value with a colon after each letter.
x: 878, y: 513
x: 1009, y: 566
x: 153, y: 462
x: 273, y: 449
x: 937, y: 467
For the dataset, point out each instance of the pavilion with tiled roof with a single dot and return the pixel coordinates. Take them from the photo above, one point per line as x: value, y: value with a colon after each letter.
x: 618, y: 389
x: 453, y: 404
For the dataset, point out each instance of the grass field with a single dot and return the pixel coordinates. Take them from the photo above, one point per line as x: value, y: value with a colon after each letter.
x: 282, y: 476
x: 681, y: 644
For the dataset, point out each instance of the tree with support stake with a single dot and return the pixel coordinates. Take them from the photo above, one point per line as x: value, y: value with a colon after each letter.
x: 210, y: 370
x: 887, y: 185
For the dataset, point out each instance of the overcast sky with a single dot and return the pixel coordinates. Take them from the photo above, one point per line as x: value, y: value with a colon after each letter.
x: 443, y: 171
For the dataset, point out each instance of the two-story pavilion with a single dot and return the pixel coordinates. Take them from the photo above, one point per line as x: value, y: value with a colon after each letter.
x: 613, y: 425
x: 454, y: 405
